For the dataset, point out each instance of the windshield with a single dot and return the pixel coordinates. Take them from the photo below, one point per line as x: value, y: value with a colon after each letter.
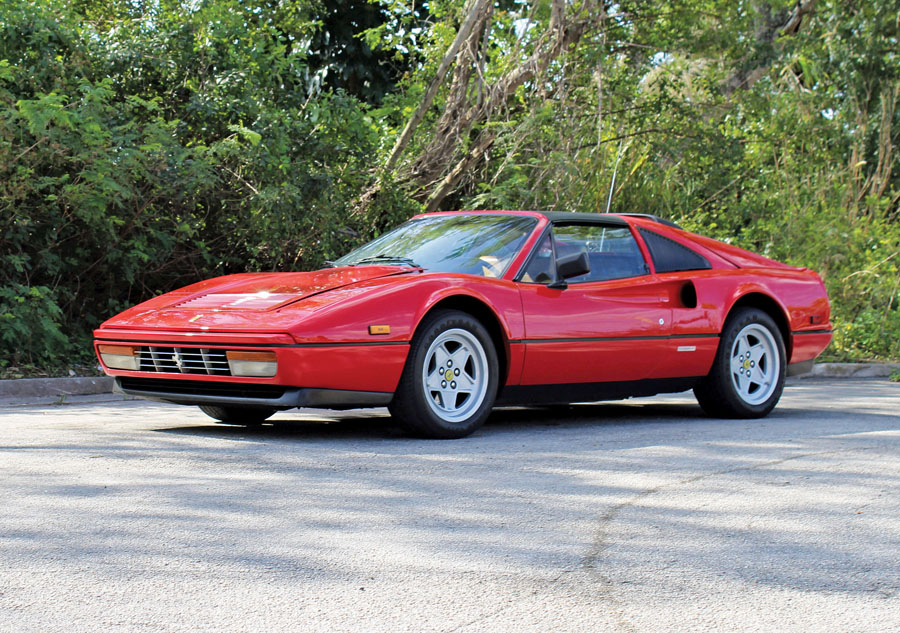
x: 481, y: 244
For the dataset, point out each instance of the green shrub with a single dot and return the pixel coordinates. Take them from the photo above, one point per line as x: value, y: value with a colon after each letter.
x: 140, y: 152
x: 30, y: 326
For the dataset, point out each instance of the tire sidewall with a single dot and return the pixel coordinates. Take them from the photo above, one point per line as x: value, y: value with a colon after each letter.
x: 419, y: 417
x: 734, y: 403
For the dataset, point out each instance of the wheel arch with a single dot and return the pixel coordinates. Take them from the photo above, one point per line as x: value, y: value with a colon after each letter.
x: 770, y: 306
x: 485, y: 315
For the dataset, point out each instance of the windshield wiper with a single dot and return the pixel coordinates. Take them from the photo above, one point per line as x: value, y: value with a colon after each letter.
x: 386, y: 259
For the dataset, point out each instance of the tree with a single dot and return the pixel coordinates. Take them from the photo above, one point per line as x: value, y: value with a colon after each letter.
x: 762, y: 123
x: 492, y: 56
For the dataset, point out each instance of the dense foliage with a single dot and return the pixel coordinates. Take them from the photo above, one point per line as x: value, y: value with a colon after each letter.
x: 145, y: 144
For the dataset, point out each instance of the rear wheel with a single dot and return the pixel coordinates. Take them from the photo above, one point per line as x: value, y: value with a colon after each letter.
x: 450, y: 380
x: 747, y: 377
x: 245, y: 416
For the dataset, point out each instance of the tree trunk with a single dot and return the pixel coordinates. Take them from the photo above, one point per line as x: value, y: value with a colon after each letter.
x: 768, y: 31
x: 437, y: 170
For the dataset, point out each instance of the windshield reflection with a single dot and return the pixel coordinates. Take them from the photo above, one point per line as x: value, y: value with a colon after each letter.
x: 477, y: 244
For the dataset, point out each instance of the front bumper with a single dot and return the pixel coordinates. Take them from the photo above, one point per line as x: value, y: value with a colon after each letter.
x: 195, y: 392
x: 171, y: 357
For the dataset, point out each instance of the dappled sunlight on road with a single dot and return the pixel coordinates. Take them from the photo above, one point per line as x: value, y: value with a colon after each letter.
x: 629, y: 515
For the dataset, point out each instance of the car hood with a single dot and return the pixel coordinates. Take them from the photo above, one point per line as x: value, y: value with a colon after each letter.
x: 232, y: 301
x: 271, y: 291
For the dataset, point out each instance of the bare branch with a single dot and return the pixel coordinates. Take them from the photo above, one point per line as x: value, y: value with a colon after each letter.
x: 476, y: 10
x: 768, y: 33
x: 450, y: 181
x: 460, y: 116
x: 800, y: 11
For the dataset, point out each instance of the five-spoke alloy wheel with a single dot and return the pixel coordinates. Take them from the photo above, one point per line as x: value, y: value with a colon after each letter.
x: 755, y: 364
x: 747, y: 377
x: 450, y: 380
x: 455, y: 375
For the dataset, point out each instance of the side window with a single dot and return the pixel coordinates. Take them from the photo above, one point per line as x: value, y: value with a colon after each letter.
x: 540, y: 269
x: 669, y: 256
x: 612, y: 251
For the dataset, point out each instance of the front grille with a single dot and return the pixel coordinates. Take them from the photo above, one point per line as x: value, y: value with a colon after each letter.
x: 183, y: 360
x: 200, y: 388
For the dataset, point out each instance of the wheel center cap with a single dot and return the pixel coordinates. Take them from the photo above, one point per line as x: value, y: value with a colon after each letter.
x: 448, y: 374
x: 747, y: 364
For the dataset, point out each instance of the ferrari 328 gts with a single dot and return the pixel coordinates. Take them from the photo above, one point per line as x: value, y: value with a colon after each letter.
x: 451, y: 314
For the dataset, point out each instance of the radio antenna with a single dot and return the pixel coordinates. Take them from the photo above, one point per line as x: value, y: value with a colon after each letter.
x: 612, y: 183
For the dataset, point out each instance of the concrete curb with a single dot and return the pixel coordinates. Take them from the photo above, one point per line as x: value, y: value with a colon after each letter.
x: 55, y: 387
x: 851, y: 370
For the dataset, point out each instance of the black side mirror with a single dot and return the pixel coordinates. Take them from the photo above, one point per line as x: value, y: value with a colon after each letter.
x: 570, y: 266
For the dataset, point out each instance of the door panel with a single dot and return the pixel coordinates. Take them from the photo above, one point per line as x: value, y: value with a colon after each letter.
x: 594, y: 332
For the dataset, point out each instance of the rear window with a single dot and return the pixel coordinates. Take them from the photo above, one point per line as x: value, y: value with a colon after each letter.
x: 669, y: 256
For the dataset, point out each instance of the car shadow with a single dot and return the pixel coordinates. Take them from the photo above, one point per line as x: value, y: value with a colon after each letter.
x: 377, y: 423
x: 362, y: 424
x: 594, y: 414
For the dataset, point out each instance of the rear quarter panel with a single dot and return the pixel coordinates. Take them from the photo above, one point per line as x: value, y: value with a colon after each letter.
x: 798, y: 293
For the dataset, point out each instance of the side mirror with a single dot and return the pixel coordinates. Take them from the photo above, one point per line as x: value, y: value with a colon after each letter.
x: 570, y: 266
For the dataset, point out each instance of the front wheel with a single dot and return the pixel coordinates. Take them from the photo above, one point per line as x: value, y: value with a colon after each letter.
x: 450, y: 380
x: 244, y: 416
x: 747, y: 377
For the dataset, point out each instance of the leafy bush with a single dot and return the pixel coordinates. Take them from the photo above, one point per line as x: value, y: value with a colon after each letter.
x: 30, y: 326
x: 143, y: 147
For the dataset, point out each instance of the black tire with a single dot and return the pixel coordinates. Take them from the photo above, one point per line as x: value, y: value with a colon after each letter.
x: 244, y: 416
x: 746, y: 379
x: 449, y: 401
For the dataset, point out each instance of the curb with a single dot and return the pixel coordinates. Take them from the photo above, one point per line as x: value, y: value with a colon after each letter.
x: 55, y: 387
x: 851, y: 370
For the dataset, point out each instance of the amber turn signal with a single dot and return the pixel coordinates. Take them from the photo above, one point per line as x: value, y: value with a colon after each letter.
x: 379, y: 329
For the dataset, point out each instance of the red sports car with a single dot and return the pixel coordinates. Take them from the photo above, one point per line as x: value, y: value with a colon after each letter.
x: 450, y: 314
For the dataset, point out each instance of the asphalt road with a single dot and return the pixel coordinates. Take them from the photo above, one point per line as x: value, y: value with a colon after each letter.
x: 639, y: 516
